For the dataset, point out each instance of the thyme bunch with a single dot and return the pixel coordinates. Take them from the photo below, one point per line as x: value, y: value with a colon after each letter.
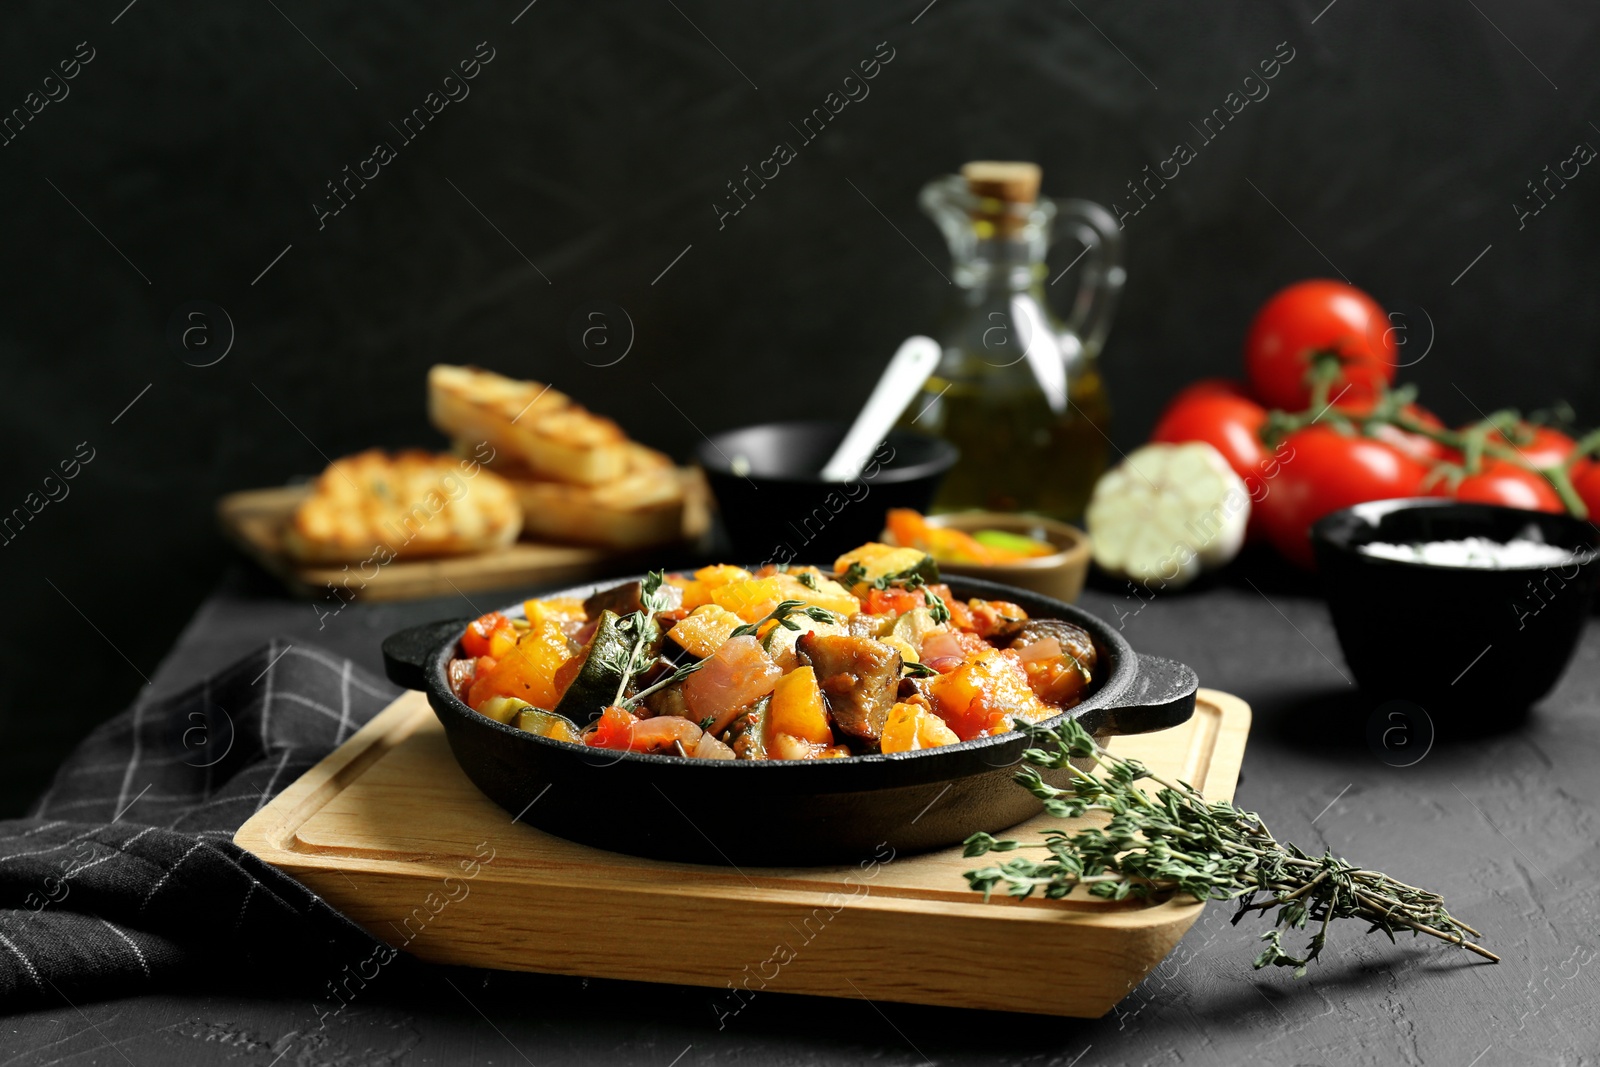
x: 1177, y: 841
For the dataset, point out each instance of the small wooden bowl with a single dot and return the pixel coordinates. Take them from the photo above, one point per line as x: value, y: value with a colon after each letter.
x: 1059, y: 575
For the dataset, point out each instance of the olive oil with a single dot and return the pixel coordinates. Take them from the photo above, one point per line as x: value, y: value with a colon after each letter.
x: 1017, y: 390
x: 1016, y: 453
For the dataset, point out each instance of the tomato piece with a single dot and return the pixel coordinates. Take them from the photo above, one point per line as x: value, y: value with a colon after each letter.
x: 983, y: 695
x: 480, y: 632
x: 1322, y: 470
x: 613, y: 729
x: 892, y: 601
x: 1315, y: 315
x: 1507, y: 485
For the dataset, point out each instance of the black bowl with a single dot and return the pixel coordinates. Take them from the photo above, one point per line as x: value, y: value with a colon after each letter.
x: 779, y: 812
x: 776, y: 507
x: 1467, y: 644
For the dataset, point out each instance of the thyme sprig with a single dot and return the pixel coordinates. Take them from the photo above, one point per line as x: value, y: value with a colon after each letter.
x: 781, y: 615
x: 1177, y: 841
x: 645, y: 630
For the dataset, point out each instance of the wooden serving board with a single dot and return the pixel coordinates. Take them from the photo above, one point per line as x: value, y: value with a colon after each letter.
x: 389, y: 830
x: 254, y: 521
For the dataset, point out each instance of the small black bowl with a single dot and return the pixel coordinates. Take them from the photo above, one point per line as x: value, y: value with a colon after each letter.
x: 776, y: 507
x: 1469, y: 645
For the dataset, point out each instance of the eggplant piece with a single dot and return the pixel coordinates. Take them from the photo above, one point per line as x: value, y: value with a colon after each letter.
x: 859, y: 678
x: 1075, y: 640
x: 605, y: 657
x: 668, y: 701
x: 1062, y: 680
x: 748, y: 734
x: 627, y: 598
x: 865, y: 625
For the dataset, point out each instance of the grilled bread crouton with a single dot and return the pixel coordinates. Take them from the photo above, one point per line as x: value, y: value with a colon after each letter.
x: 643, y: 507
x: 527, y: 422
x: 409, y: 505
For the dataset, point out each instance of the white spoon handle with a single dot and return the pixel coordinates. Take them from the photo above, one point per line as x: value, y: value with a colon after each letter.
x: 900, y: 382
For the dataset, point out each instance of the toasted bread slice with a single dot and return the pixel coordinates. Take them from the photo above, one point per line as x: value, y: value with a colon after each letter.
x: 411, y: 505
x: 530, y: 423
x: 644, y: 507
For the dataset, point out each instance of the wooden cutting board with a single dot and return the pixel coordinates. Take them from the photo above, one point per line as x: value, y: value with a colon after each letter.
x: 254, y: 521
x: 390, y: 831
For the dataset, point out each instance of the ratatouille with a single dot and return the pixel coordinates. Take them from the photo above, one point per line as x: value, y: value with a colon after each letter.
x: 782, y: 663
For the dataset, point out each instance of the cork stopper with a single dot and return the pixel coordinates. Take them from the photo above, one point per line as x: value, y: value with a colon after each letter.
x: 1005, y: 194
x: 1012, y: 183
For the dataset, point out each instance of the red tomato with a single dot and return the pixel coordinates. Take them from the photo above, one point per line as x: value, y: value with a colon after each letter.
x: 1230, y: 424
x: 1320, y: 471
x: 1507, y: 485
x: 1586, y: 480
x: 1547, y: 447
x: 1205, y: 387
x: 1312, y: 315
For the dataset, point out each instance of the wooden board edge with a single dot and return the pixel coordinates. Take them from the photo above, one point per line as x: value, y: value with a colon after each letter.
x: 443, y: 923
x: 1227, y: 753
x: 266, y: 833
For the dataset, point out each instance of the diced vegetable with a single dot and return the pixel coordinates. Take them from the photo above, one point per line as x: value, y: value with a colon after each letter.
x: 462, y: 673
x: 797, y: 708
x: 707, y: 579
x: 1005, y: 542
x: 780, y: 642
x: 706, y: 629
x: 824, y: 593
x: 892, y: 601
x: 996, y: 619
x: 858, y: 678
x: 739, y: 674
x: 613, y: 729
x: 912, y: 627
x: 709, y: 747
x: 912, y: 727
x: 604, y: 658
x: 879, y: 560
x: 503, y: 709
x: 547, y: 724
x: 984, y: 694
x: 527, y: 670
x: 560, y: 610
x: 489, y: 635
x: 750, y: 598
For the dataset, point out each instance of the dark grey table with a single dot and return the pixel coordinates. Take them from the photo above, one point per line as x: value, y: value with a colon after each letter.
x: 1504, y: 826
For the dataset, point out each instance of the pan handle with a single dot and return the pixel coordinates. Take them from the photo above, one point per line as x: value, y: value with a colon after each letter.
x: 406, y: 654
x: 1162, y: 695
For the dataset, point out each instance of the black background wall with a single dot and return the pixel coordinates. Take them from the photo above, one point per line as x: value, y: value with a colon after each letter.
x: 184, y: 160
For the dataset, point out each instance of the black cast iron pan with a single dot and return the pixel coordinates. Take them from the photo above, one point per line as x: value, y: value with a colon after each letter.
x: 778, y: 812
